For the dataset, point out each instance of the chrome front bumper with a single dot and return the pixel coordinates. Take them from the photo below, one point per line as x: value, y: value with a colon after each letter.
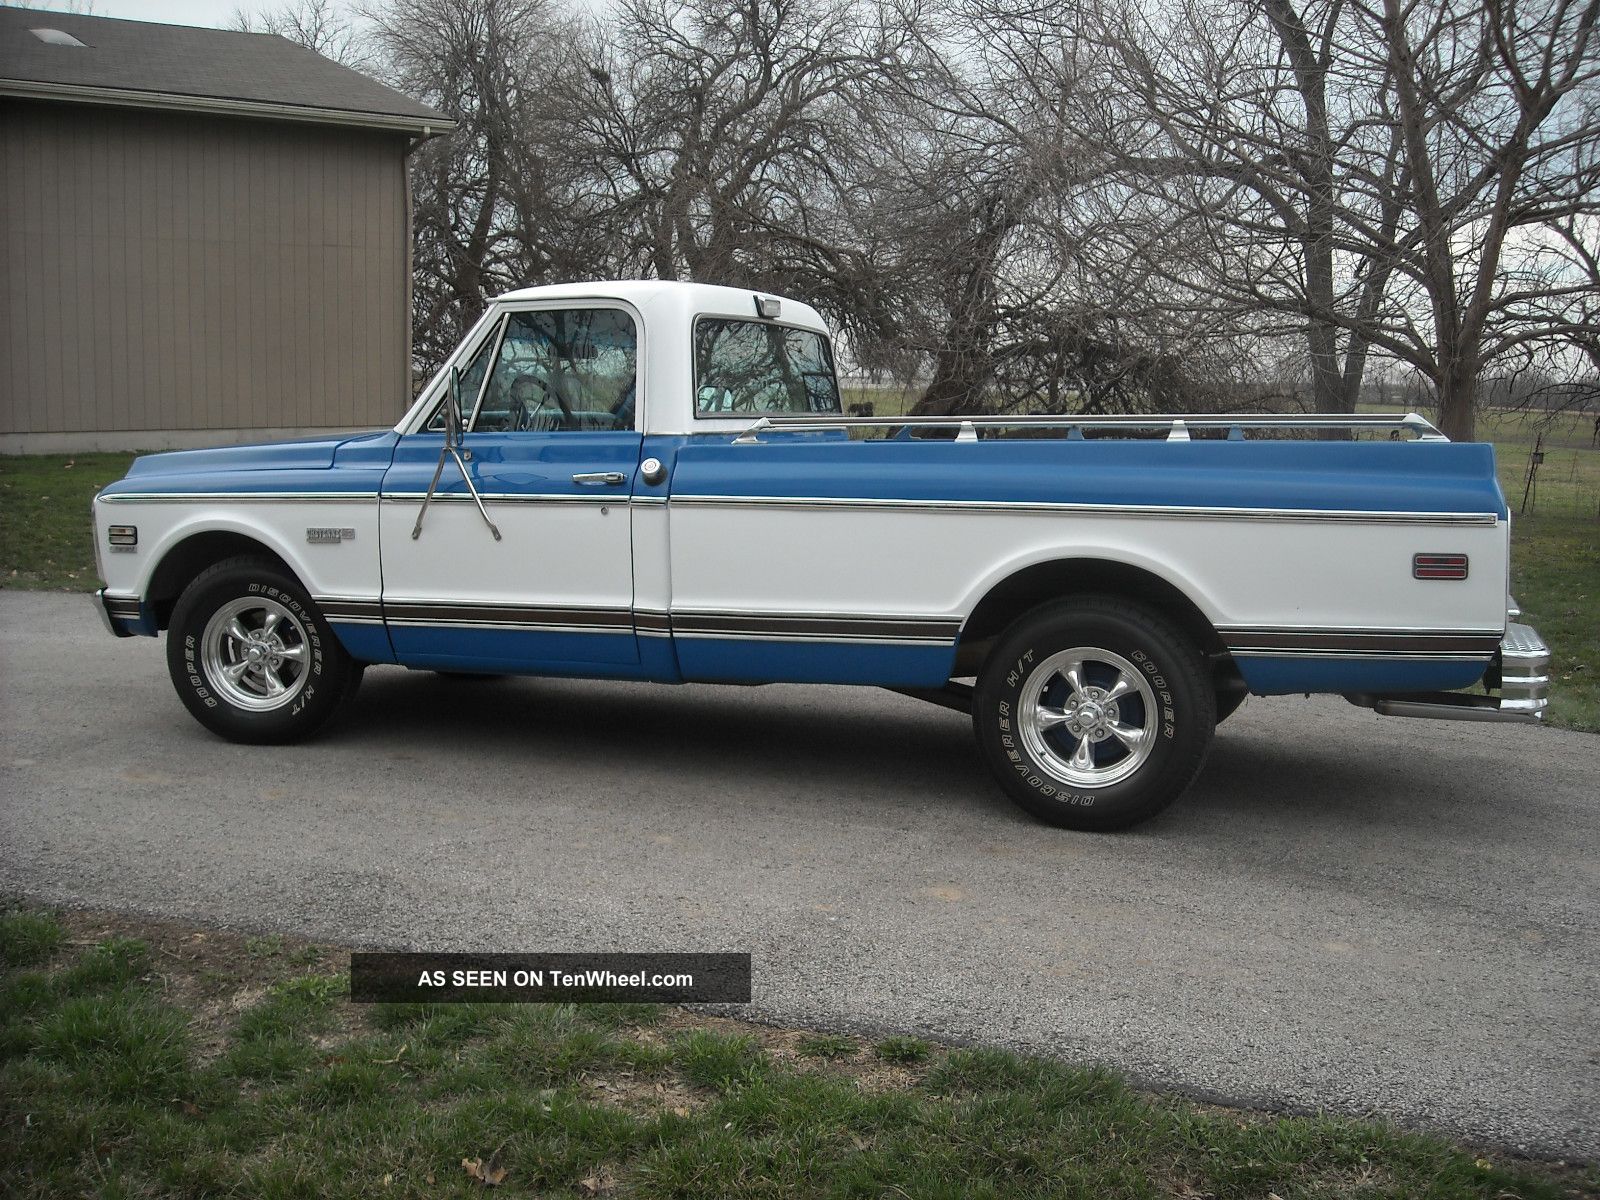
x: 123, y: 616
x: 1520, y: 669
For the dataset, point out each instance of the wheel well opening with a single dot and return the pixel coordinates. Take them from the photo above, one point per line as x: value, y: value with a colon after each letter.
x: 193, y: 555
x: 1064, y: 578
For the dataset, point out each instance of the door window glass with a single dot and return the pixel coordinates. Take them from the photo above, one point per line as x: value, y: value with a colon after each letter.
x: 471, y: 379
x: 570, y: 370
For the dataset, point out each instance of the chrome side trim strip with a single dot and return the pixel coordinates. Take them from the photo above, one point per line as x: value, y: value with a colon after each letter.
x: 505, y: 498
x: 815, y: 503
x: 816, y: 626
x: 509, y: 626
x: 1429, y: 643
x: 834, y: 639
x: 444, y: 612
x: 1373, y: 655
x: 250, y: 497
x: 1046, y: 508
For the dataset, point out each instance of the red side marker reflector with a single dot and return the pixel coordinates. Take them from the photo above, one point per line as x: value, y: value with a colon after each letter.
x: 1439, y: 566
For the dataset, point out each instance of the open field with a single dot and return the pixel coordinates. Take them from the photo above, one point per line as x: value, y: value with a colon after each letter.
x: 149, y: 1059
x: 1568, y: 480
x: 45, y: 540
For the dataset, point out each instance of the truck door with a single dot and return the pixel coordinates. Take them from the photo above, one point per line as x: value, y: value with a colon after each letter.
x: 550, y: 442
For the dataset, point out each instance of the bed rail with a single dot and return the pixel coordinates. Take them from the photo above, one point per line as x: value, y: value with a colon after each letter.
x: 1177, y: 426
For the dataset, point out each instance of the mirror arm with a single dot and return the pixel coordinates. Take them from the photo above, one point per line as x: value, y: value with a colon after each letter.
x: 473, y: 491
x: 452, y: 439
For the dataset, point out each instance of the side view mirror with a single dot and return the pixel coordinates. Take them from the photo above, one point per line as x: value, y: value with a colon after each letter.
x: 452, y: 409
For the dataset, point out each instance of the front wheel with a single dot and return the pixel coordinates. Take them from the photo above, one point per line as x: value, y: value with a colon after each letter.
x: 252, y: 658
x: 1094, y: 713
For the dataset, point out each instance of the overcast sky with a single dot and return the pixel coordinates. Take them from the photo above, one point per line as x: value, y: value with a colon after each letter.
x: 216, y: 13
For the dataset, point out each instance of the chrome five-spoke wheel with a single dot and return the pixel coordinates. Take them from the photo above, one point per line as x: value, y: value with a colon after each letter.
x: 1086, y: 715
x: 251, y: 657
x: 1094, y: 712
x: 254, y: 652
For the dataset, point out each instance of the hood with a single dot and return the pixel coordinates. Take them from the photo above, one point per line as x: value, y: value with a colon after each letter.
x: 299, y: 454
x: 267, y: 466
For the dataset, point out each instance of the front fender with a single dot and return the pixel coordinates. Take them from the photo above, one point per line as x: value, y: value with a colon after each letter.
x: 348, y: 567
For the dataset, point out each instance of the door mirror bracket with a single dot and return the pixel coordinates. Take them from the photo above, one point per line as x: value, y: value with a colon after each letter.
x: 452, y: 449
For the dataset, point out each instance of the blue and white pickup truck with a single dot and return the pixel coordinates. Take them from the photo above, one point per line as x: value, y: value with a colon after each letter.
x: 655, y: 481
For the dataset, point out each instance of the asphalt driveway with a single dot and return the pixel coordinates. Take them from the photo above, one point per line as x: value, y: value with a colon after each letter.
x: 1348, y: 912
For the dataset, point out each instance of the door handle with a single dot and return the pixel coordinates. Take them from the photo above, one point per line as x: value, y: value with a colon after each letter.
x: 601, y: 479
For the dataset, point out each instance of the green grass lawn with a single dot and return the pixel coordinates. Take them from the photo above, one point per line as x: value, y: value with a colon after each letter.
x: 1555, y: 576
x: 152, y: 1060
x: 45, y: 533
x: 45, y: 540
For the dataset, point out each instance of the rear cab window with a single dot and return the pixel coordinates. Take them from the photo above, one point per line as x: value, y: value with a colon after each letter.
x: 759, y: 368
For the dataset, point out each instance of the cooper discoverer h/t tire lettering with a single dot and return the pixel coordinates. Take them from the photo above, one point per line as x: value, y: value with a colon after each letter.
x: 1094, y: 713
x: 251, y: 656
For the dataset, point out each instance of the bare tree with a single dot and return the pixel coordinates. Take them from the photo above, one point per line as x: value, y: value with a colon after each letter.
x: 987, y: 213
x: 1359, y: 177
x: 496, y: 202
x: 720, y: 132
x: 1499, y: 114
x: 315, y: 24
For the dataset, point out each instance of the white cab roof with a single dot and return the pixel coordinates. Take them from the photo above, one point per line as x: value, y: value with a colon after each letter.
x: 659, y: 297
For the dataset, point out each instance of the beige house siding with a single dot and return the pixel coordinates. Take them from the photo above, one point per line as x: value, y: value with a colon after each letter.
x: 175, y: 279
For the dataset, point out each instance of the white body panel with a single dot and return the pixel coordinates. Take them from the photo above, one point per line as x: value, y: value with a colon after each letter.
x: 941, y: 562
x: 346, y: 568
x: 558, y: 553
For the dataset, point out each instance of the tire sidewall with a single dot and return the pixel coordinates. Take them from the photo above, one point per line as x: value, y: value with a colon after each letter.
x: 328, y: 669
x: 1183, y: 719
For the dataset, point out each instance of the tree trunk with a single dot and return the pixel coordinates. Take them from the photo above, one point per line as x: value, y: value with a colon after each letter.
x: 1458, y: 393
x: 956, y: 388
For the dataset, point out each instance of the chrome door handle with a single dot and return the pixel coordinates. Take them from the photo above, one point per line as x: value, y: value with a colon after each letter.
x: 601, y: 479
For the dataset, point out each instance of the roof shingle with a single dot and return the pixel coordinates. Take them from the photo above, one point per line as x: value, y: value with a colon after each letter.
x: 137, y: 62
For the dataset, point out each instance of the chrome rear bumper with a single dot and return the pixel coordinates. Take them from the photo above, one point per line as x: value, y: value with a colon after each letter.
x: 1520, y: 669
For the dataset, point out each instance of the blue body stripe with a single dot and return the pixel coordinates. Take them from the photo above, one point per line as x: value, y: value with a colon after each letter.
x: 745, y: 660
x: 534, y: 651
x: 1287, y: 676
x: 1318, y: 476
x: 1322, y: 476
x: 367, y: 643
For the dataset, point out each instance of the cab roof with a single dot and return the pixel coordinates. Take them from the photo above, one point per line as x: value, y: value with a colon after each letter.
x: 658, y: 296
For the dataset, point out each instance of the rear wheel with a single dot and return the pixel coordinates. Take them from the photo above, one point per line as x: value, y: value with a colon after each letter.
x: 1094, y: 713
x: 252, y: 658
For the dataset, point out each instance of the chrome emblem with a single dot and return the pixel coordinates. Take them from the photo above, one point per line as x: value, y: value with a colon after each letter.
x: 325, y: 534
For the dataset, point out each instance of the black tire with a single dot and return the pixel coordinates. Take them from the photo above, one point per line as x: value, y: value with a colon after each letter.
x: 314, y: 671
x: 1167, y: 710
